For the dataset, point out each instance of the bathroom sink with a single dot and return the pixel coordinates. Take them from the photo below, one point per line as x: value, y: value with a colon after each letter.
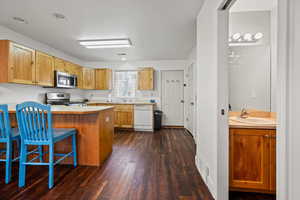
x: 253, y: 120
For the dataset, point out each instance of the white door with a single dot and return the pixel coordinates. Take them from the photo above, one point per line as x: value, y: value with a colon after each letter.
x: 172, y: 98
x: 190, y: 99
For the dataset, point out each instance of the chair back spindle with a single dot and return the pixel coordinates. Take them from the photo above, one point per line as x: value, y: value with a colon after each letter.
x: 4, y: 123
x: 35, y: 122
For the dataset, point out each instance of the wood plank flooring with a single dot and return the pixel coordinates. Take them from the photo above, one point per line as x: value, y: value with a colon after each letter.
x: 143, y: 166
x: 250, y: 196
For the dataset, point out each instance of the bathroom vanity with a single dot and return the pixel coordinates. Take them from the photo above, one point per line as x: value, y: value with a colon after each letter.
x: 252, y: 152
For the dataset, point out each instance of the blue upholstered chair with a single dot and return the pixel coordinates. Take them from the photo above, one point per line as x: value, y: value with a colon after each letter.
x: 35, y: 125
x: 7, y: 136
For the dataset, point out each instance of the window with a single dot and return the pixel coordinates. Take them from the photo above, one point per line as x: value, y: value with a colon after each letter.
x: 125, y: 83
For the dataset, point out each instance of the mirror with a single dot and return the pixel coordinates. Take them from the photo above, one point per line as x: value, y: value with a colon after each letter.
x: 249, y: 58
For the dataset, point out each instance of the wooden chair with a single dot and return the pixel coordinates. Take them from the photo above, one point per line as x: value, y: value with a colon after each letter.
x: 35, y: 124
x: 7, y: 136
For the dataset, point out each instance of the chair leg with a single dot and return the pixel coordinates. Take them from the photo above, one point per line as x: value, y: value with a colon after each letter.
x: 51, y: 166
x: 74, y: 149
x: 8, y: 162
x: 40, y: 148
x: 22, y: 165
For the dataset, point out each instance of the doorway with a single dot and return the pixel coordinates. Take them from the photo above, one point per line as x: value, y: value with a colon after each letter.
x: 172, y: 97
x: 280, y: 106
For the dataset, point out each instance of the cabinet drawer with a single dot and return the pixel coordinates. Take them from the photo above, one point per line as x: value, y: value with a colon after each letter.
x: 124, y: 107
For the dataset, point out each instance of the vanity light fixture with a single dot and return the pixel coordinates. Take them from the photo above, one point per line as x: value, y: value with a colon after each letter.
x: 238, y: 39
x: 106, y: 43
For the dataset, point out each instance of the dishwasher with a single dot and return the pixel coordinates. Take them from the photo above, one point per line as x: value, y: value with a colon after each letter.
x: 143, y: 117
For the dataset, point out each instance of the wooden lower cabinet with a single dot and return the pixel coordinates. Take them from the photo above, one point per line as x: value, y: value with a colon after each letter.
x: 124, y: 114
x: 252, y: 160
x: 124, y: 117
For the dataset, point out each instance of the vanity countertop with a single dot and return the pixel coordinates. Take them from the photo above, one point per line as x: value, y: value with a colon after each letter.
x: 255, y: 120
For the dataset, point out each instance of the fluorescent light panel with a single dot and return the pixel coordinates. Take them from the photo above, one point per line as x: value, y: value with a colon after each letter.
x: 108, y: 46
x: 107, y: 43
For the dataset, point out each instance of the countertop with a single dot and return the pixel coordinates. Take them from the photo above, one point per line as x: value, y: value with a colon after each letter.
x: 121, y: 103
x: 252, y: 113
x: 71, y: 109
x: 235, y: 124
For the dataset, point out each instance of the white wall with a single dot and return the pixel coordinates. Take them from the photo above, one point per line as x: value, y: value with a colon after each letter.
x: 158, y: 65
x: 207, y: 101
x: 16, y: 93
x: 293, y: 100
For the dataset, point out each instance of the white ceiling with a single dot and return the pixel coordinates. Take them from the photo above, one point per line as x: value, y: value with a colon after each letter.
x: 253, y: 5
x: 158, y: 29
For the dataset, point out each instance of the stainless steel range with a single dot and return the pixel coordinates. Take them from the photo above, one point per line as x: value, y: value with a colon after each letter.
x: 61, y: 98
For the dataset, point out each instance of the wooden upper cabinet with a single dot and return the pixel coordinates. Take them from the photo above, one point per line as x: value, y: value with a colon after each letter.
x: 44, y: 69
x: 88, y: 78
x: 103, y: 79
x: 250, y: 160
x: 60, y: 65
x: 78, y: 73
x: 146, y: 79
x: 17, y: 63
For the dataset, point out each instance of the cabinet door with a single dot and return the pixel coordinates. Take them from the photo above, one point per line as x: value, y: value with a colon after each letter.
x: 249, y: 159
x: 88, y: 78
x: 44, y: 69
x: 273, y: 161
x: 103, y: 79
x: 124, y: 116
x: 21, y: 64
x: 124, y: 119
x: 145, y: 79
x: 59, y: 65
x: 78, y: 73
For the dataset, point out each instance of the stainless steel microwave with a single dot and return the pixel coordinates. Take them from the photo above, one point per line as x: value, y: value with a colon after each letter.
x: 65, y: 80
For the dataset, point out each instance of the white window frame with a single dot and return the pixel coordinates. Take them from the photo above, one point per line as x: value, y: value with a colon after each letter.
x: 114, y: 83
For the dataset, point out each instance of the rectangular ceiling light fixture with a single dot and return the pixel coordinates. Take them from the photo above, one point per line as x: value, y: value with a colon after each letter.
x: 106, y: 43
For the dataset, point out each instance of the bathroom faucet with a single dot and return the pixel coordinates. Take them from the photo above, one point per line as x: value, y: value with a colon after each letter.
x: 244, y: 113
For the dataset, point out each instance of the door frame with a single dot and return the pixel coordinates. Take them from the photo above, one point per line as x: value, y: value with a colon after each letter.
x: 283, y: 61
x: 161, y: 87
x: 194, y: 93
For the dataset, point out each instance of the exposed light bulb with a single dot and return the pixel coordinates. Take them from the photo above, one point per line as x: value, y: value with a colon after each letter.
x: 236, y: 36
x: 248, y: 37
x: 258, y: 36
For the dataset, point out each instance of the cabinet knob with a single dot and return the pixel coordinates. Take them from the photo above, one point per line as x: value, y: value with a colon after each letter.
x: 266, y: 136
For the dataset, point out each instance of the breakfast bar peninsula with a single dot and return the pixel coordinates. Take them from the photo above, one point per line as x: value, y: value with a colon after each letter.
x: 95, y: 130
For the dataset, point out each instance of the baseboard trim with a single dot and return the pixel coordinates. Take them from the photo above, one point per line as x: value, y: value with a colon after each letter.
x: 189, y: 132
x: 173, y: 127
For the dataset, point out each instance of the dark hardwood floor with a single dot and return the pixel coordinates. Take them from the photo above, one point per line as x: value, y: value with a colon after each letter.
x: 250, y: 196
x: 143, y: 166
